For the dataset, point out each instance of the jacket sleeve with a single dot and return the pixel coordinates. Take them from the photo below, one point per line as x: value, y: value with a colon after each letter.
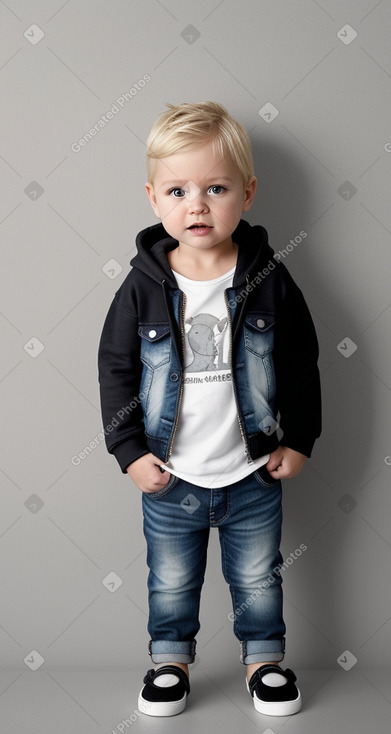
x: 297, y: 375
x: 119, y: 369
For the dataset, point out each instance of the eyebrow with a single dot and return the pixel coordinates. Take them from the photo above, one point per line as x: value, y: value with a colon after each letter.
x: 214, y: 178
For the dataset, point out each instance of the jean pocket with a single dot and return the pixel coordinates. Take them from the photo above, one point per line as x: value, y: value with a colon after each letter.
x: 264, y: 478
x: 173, y: 480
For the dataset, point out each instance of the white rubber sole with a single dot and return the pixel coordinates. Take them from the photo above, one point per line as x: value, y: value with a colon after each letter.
x: 276, y: 708
x: 161, y: 708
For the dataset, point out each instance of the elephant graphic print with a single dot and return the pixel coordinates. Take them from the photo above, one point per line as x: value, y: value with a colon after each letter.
x: 208, y: 448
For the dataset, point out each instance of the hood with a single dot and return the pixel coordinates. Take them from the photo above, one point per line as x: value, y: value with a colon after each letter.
x: 153, y: 244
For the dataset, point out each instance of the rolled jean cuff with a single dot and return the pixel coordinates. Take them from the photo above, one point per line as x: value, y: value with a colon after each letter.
x: 259, y: 651
x: 165, y: 651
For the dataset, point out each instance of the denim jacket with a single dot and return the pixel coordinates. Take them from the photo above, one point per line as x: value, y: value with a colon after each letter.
x: 274, y: 351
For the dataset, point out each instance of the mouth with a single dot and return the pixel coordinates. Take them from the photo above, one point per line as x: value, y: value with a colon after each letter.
x: 200, y: 228
x: 198, y: 224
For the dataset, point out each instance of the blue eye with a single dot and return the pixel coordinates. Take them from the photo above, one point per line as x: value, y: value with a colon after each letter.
x: 216, y: 189
x: 177, y: 193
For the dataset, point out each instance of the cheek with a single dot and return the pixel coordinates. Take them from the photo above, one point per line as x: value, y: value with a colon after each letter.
x: 231, y: 204
x: 167, y: 209
x: 172, y: 213
x: 229, y: 211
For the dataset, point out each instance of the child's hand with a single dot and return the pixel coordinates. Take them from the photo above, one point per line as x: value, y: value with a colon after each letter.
x: 145, y: 472
x: 285, y: 463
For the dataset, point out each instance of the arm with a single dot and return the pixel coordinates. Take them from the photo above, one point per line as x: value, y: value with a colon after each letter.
x: 297, y: 378
x: 119, y: 377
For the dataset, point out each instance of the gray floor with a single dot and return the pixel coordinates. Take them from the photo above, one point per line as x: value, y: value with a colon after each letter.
x: 87, y: 702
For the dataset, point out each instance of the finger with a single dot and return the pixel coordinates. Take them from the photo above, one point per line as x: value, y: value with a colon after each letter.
x: 279, y: 473
x: 154, y: 486
x: 275, y: 460
x: 161, y: 477
x: 273, y: 465
x: 276, y: 474
x: 154, y: 460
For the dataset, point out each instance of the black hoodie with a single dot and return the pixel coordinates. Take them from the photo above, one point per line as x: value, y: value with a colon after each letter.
x: 261, y: 284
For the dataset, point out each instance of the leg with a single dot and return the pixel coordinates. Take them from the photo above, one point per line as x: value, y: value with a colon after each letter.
x: 252, y: 667
x: 250, y: 538
x: 176, y: 555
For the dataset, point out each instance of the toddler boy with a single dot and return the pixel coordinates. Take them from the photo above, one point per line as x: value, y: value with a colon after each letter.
x: 209, y: 354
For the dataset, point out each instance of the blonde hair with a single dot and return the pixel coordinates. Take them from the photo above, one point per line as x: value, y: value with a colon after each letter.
x: 186, y: 126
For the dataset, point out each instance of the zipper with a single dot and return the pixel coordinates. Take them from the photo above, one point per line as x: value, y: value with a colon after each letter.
x: 182, y: 330
x: 249, y: 459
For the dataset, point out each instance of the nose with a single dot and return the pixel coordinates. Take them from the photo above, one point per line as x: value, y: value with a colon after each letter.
x: 197, y: 203
x: 198, y: 206
x: 194, y: 196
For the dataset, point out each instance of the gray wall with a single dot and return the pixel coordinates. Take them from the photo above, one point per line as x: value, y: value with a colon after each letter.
x: 69, y: 215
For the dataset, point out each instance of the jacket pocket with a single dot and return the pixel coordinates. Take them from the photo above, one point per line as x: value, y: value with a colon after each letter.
x: 155, y: 344
x: 155, y: 350
x: 259, y: 333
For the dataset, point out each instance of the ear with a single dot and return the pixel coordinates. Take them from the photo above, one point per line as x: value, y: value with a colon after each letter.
x: 249, y: 193
x: 152, y: 198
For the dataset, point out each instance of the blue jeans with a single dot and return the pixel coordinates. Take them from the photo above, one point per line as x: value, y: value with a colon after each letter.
x: 177, y: 520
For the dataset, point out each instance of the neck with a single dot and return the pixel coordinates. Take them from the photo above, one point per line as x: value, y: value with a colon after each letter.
x: 204, y: 264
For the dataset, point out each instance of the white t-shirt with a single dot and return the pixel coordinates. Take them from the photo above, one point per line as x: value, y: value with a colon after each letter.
x: 208, y: 448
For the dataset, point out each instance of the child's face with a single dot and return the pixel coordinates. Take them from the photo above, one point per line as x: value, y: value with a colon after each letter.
x: 199, y: 187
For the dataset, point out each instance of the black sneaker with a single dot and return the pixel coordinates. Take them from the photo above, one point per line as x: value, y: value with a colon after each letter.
x: 167, y: 696
x: 274, y: 691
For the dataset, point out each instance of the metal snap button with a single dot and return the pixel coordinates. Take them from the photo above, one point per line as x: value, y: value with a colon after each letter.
x: 152, y: 333
x: 174, y: 377
x: 260, y: 323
